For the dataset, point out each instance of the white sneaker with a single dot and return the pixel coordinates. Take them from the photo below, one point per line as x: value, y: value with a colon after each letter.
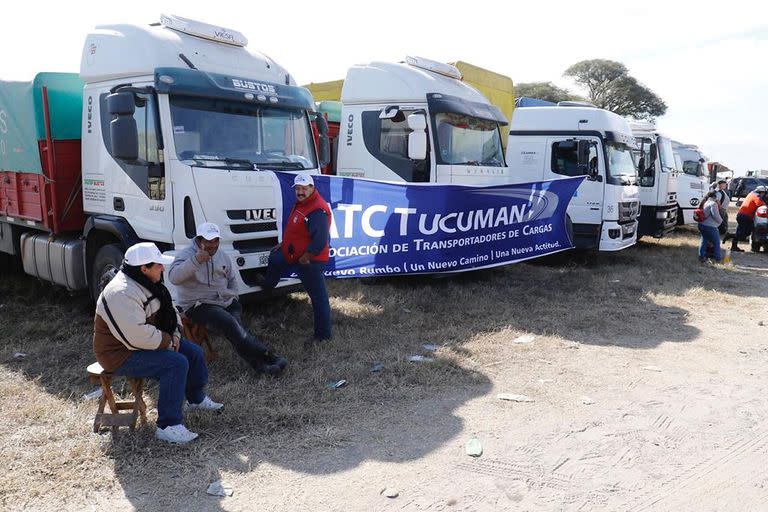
x: 206, y: 405
x: 177, y: 434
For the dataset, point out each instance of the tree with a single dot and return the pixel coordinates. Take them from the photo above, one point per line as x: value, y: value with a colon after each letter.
x: 544, y: 91
x: 610, y: 86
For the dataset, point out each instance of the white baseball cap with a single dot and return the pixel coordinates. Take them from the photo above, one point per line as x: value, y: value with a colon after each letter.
x: 208, y: 230
x: 146, y: 252
x: 305, y: 180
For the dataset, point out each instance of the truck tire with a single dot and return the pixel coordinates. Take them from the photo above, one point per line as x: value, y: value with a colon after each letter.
x: 106, y: 264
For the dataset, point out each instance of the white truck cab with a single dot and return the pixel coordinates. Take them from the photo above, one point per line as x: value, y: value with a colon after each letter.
x: 658, y: 180
x: 416, y: 121
x: 692, y: 181
x: 179, y: 120
x: 568, y: 140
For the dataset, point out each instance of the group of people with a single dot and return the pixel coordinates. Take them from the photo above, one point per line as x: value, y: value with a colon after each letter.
x: 715, y: 220
x: 137, y: 326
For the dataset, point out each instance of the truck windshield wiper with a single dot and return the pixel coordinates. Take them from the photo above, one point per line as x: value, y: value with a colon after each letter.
x: 240, y: 161
x: 227, y: 161
x: 282, y: 165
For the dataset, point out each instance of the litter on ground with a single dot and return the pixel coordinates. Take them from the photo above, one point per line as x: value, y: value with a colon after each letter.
x: 514, y: 398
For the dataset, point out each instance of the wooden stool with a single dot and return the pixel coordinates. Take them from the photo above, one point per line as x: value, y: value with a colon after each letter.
x: 198, y: 334
x: 136, y: 408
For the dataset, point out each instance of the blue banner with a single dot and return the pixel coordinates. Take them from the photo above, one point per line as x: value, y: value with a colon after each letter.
x: 405, y: 228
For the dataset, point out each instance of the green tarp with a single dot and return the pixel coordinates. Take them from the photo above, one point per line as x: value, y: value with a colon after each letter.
x: 332, y: 109
x: 22, y: 119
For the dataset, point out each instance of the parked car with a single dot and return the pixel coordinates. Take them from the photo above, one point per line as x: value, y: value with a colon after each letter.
x: 743, y: 185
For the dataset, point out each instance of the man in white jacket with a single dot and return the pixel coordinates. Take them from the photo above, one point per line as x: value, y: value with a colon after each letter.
x: 136, y: 333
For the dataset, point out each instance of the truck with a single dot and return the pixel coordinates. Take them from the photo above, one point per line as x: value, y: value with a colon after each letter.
x: 692, y: 181
x: 570, y: 139
x: 413, y: 121
x: 657, y: 180
x: 168, y: 125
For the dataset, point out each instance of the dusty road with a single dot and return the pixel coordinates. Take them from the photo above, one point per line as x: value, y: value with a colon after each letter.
x: 647, y: 375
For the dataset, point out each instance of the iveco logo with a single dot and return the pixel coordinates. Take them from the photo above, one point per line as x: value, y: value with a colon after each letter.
x: 260, y: 214
x: 694, y: 201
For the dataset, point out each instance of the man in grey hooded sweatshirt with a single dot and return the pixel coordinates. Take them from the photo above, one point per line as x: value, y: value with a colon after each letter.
x: 207, y: 293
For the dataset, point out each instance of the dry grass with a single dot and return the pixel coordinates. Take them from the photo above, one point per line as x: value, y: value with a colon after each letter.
x: 51, y: 461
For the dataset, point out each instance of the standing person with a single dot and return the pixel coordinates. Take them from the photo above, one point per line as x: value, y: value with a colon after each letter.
x: 708, y: 227
x: 207, y: 293
x: 723, y: 200
x: 745, y: 217
x: 136, y: 333
x: 305, y: 248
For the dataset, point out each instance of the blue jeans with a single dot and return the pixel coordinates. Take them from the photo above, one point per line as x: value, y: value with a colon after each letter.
x: 228, y: 321
x: 312, y: 276
x: 745, y: 225
x: 181, y: 374
x: 709, y: 234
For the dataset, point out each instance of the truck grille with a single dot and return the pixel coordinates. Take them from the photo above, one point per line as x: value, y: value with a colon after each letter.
x: 628, y: 210
x: 255, y: 245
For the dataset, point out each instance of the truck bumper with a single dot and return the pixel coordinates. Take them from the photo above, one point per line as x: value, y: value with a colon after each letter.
x: 615, y: 236
x: 657, y: 221
x: 608, y: 236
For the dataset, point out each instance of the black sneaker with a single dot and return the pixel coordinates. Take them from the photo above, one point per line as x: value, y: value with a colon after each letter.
x: 273, y: 359
x: 267, y: 369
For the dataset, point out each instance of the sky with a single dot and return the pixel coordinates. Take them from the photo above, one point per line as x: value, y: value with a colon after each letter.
x: 708, y: 63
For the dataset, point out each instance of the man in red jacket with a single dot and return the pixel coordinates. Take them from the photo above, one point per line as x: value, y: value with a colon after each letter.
x: 745, y: 217
x: 305, y: 249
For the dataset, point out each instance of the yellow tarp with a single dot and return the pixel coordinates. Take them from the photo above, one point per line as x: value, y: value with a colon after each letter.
x: 326, y: 91
x: 498, y: 88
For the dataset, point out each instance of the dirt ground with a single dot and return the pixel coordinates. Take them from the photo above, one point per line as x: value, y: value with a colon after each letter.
x: 646, y: 371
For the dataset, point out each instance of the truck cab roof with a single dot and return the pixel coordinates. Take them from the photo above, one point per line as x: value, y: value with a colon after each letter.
x: 378, y: 82
x: 569, y: 119
x: 122, y: 51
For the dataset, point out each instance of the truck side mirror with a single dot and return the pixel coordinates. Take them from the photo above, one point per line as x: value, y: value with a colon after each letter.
x: 582, y: 155
x: 325, y: 146
x: 583, y: 152
x: 417, y: 139
x: 123, y: 134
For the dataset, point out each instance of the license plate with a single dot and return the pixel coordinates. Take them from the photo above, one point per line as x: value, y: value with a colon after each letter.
x: 263, y: 259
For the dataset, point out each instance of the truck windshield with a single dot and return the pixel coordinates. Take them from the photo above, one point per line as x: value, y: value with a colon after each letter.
x: 219, y: 133
x: 622, y: 168
x: 691, y: 161
x: 666, y: 154
x: 467, y: 140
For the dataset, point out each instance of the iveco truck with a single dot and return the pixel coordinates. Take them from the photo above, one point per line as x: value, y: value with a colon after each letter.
x: 414, y: 121
x: 657, y: 180
x: 570, y: 139
x: 167, y: 125
x: 692, y: 181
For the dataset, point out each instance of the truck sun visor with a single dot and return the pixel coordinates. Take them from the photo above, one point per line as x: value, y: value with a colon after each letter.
x: 192, y: 82
x: 454, y: 105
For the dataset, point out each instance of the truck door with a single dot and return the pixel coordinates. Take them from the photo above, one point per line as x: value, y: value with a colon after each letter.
x: 563, y: 161
x: 376, y: 146
x: 138, y: 188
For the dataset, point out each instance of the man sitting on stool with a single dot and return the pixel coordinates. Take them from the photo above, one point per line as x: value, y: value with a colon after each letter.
x: 207, y: 293
x: 136, y: 334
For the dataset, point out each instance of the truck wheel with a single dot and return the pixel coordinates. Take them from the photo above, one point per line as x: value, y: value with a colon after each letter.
x: 105, y: 266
